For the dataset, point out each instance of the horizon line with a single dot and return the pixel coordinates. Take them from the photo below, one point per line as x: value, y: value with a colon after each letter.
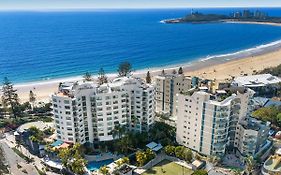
x: 128, y: 8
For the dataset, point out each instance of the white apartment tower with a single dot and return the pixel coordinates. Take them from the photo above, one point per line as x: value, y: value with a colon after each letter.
x: 167, y: 86
x: 207, y: 122
x: 86, y: 112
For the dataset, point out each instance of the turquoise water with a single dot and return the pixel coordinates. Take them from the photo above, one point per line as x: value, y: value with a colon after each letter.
x: 38, y: 46
x: 95, y: 165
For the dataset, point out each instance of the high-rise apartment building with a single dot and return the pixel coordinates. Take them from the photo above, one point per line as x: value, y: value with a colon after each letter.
x: 167, y: 86
x: 208, y: 123
x: 86, y: 112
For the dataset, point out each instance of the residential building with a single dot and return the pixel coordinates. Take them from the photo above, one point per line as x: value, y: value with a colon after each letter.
x: 251, y: 137
x: 167, y: 86
x: 263, y: 84
x: 87, y: 112
x: 207, y: 122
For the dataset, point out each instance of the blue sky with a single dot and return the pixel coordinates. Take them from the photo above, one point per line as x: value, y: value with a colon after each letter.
x: 77, y: 4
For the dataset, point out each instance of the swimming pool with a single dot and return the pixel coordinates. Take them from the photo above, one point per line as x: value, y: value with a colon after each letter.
x: 95, y: 165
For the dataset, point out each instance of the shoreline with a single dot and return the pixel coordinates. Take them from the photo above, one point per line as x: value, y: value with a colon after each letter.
x: 178, y: 21
x: 215, y: 67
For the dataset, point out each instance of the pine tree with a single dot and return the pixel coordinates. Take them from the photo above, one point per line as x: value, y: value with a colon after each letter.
x: 32, y: 98
x: 180, y: 71
x: 10, y: 98
x: 163, y: 72
x: 124, y: 69
x: 102, y: 78
x: 148, y: 77
x: 87, y: 76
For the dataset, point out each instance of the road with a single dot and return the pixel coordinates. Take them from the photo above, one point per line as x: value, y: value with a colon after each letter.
x: 13, y: 160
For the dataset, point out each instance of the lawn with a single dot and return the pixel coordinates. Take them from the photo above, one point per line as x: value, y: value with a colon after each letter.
x: 167, y: 167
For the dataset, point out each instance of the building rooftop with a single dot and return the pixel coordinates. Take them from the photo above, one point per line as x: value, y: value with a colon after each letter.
x: 256, y: 80
x: 273, y: 163
x: 253, y: 124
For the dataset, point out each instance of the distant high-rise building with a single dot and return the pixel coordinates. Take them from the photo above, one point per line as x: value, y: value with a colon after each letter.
x: 167, y: 86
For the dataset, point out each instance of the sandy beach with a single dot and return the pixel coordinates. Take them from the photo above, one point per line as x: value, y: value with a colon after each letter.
x: 226, y: 70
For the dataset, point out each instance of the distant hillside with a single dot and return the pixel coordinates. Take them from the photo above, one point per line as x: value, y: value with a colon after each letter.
x: 245, y: 16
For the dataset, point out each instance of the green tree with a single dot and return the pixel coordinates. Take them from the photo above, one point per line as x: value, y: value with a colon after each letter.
x: 188, y: 155
x: 279, y: 119
x: 267, y: 114
x: 250, y: 164
x: 10, y: 98
x: 179, y: 152
x: 180, y: 71
x: 77, y: 165
x: 169, y: 150
x: 174, y: 71
x: 200, y: 172
x: 104, y: 170
x: 64, y: 155
x: 124, y: 69
x: 32, y: 98
x: 148, y: 77
x: 102, y: 78
x: 88, y: 76
x: 141, y: 158
x: 163, y: 72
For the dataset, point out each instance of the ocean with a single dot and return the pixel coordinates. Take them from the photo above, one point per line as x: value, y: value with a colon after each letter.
x: 46, y: 45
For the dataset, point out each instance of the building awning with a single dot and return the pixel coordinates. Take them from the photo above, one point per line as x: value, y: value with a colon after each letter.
x: 151, y: 145
x: 154, y: 146
x: 157, y: 148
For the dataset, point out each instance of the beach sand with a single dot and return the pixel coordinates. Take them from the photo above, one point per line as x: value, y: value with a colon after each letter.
x: 208, y: 70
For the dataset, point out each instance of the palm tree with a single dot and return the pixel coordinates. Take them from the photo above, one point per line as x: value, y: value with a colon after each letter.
x: 104, y: 170
x: 250, y: 164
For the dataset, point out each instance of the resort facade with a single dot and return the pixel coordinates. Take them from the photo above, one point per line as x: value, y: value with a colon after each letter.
x: 87, y: 112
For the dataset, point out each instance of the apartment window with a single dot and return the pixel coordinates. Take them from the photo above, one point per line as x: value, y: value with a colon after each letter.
x: 66, y: 101
x: 67, y: 107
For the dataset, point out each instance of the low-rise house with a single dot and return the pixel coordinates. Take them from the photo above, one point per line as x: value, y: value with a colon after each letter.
x: 263, y: 84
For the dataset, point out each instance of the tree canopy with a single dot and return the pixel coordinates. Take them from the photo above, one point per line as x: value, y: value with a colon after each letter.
x: 124, y: 69
x: 10, y: 99
x: 87, y: 76
x: 271, y: 114
x: 102, y: 78
x: 148, y: 77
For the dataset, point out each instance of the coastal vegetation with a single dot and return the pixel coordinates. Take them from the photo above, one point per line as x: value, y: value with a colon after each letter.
x: 88, y: 76
x: 276, y: 71
x: 143, y: 157
x: 180, y: 152
x: 102, y: 78
x: 13, y: 113
x: 72, y: 159
x: 124, y: 69
x: 148, y: 77
x: 271, y: 114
